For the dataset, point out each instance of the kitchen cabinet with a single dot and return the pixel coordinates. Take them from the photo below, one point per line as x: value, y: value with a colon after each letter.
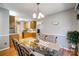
x: 29, y: 34
x: 33, y: 24
x: 12, y: 24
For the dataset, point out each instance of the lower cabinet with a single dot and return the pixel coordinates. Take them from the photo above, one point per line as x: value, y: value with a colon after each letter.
x: 28, y: 34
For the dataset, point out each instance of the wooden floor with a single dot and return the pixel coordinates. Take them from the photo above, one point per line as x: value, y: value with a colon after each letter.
x: 9, y: 52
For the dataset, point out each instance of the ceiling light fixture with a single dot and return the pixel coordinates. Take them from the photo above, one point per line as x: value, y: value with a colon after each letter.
x: 37, y: 14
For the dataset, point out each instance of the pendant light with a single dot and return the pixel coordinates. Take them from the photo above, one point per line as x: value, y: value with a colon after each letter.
x: 38, y: 14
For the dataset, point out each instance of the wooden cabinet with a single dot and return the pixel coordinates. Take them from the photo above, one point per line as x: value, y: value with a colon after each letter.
x: 28, y: 34
x: 33, y: 24
x: 12, y: 24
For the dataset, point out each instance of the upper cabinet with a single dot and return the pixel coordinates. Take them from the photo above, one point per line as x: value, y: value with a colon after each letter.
x: 12, y: 24
x: 33, y: 24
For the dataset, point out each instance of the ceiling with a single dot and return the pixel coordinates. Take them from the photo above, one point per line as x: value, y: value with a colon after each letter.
x: 45, y: 8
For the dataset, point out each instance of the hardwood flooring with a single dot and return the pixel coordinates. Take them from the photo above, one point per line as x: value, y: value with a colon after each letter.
x: 9, y: 52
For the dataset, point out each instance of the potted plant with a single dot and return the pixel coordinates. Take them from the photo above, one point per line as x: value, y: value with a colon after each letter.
x: 72, y: 37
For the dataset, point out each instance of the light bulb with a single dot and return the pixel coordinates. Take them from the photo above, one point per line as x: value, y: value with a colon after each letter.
x: 40, y: 15
x: 34, y: 15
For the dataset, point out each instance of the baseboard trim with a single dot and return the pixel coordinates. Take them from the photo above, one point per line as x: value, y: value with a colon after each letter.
x: 4, y: 49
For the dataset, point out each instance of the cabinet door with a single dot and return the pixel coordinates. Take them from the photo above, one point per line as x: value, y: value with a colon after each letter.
x: 12, y: 24
x: 12, y: 21
x: 27, y: 34
x: 33, y: 24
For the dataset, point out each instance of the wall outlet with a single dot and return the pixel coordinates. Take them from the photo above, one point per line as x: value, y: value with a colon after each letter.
x: 5, y: 43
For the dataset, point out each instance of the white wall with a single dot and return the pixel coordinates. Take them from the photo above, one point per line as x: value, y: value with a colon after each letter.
x: 15, y: 13
x: 18, y: 14
x: 4, y: 28
x: 58, y: 24
x: 78, y: 25
x: 77, y: 21
x: 66, y: 22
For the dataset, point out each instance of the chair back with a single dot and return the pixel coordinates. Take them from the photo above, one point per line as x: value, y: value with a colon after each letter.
x: 21, y: 50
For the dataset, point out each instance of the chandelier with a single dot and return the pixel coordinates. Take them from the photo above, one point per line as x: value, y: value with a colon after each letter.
x: 38, y: 14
